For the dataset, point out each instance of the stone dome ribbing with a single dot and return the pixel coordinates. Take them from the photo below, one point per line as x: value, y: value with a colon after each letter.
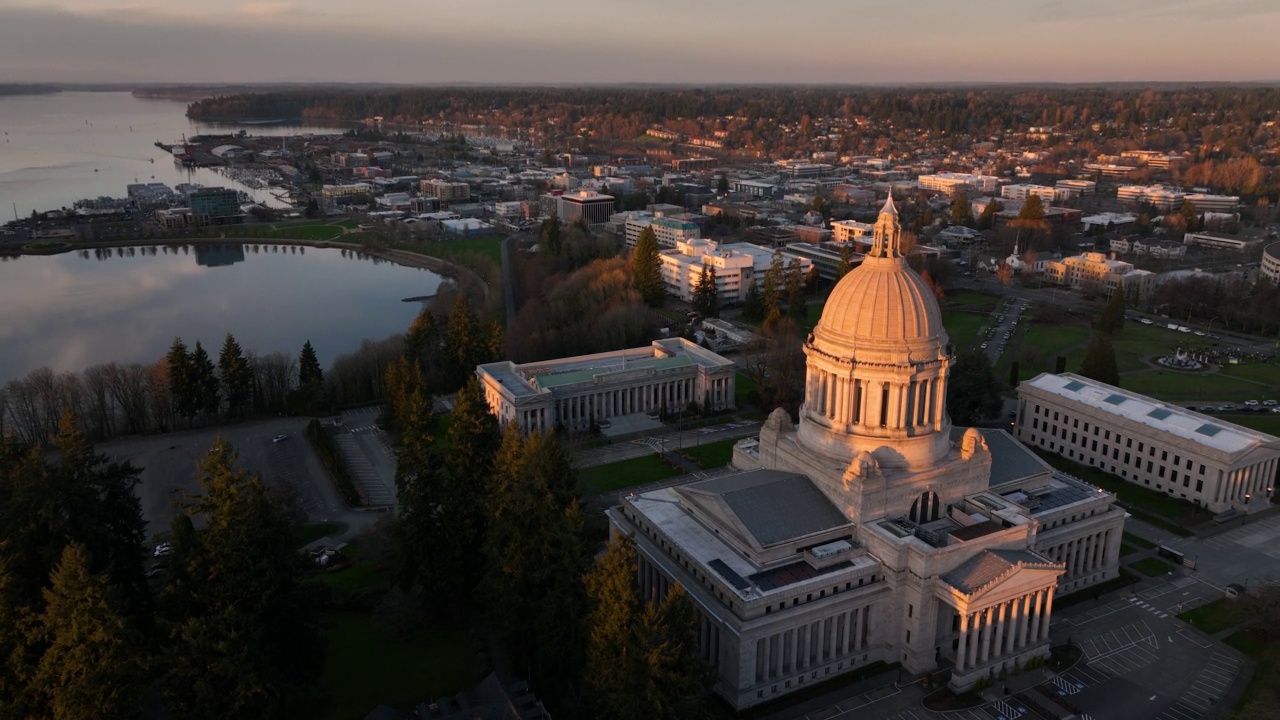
x: 880, y: 302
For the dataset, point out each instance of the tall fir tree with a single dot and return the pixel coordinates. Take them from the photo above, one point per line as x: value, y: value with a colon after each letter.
x: 1099, y: 361
x: 774, y: 282
x: 310, y: 394
x: 464, y: 344
x: 706, y: 297
x: 1111, y: 321
x: 613, y: 664
x: 184, y: 385
x: 646, y: 269
x: 794, y: 287
x: 846, y: 261
x: 676, y: 681
x: 549, y: 235
x: 973, y: 392
x: 753, y: 303
x: 236, y: 377
x: 242, y: 639
x: 93, y: 659
x: 206, y: 380
x: 962, y: 211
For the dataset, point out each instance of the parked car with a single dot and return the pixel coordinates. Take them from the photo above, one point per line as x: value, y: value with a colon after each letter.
x: 1251, y: 402
x: 278, y: 438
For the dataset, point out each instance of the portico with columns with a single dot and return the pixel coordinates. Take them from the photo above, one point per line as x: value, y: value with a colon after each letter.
x: 1000, y: 604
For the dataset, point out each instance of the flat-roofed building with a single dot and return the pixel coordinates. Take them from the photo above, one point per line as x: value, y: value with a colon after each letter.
x: 214, y: 206
x: 588, y: 205
x: 1076, y: 188
x: 666, y: 230
x: 754, y: 188
x: 1097, y: 272
x: 575, y: 392
x: 1271, y: 262
x: 1022, y: 191
x: 1108, y: 221
x: 348, y: 193
x: 952, y: 183
x: 847, y: 230
x: 1218, y: 241
x: 826, y: 257
x: 445, y: 191
x: 1163, y: 198
x: 1160, y: 446
x: 1204, y: 202
x: 736, y: 267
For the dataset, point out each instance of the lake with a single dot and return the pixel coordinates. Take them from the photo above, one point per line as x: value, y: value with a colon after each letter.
x: 69, y: 311
x: 59, y: 148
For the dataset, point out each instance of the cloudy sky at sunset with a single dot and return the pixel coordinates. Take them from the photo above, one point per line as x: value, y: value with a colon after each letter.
x: 673, y: 41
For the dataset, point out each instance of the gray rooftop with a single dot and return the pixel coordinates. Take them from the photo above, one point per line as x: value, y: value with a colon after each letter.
x: 989, y: 566
x: 774, y: 506
x: 1011, y: 461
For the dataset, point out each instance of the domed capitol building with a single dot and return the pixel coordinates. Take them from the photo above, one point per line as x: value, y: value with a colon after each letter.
x: 873, y: 530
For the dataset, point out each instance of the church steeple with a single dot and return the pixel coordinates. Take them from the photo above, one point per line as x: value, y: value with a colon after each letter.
x: 887, y: 241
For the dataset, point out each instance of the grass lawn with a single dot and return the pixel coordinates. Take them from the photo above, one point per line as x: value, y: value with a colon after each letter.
x: 1217, y: 616
x: 712, y: 455
x: 1262, y: 422
x: 1127, y: 549
x: 1173, y: 386
x: 744, y: 390
x: 1050, y: 341
x: 963, y: 327
x: 1139, y: 541
x: 972, y: 301
x: 1264, y: 373
x: 615, y: 476
x: 1151, y: 567
x: 489, y: 246
x: 362, y: 575
x: 364, y: 668
x: 309, y: 532
x: 304, y: 232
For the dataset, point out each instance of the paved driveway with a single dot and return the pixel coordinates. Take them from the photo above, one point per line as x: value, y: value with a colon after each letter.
x: 1246, y: 555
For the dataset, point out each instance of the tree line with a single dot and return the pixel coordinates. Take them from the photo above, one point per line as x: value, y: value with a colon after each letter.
x: 213, y: 625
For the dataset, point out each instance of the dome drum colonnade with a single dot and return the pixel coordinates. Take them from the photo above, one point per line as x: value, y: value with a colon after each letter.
x: 877, y: 363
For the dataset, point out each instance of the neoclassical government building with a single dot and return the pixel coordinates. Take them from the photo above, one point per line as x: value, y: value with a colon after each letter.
x: 873, y: 530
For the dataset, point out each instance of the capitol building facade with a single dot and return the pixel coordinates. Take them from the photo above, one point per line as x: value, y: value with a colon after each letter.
x: 872, y: 530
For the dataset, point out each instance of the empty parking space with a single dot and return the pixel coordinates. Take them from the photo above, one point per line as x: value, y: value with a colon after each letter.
x: 286, y: 468
x: 376, y: 492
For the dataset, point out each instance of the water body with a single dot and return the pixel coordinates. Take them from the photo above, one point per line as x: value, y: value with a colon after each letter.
x: 70, y: 311
x: 56, y: 149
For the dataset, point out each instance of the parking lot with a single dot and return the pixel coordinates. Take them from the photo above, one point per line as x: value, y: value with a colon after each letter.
x: 170, y: 463
x: 368, y: 456
x: 1007, y: 317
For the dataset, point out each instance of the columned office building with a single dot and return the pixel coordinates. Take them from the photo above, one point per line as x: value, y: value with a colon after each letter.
x: 873, y: 530
x: 1219, y: 465
x: 573, y: 392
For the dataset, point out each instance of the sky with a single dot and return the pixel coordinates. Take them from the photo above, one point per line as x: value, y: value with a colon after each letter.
x: 652, y: 41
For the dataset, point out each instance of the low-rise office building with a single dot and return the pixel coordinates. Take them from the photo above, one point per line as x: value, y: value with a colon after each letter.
x: 445, y: 191
x: 953, y: 183
x: 845, y: 230
x: 1271, y: 263
x: 1218, y: 241
x: 1219, y: 465
x: 736, y: 267
x: 1097, y: 272
x: 1022, y: 191
x: 1204, y: 202
x: 575, y: 392
x: 1077, y: 188
x: 587, y: 205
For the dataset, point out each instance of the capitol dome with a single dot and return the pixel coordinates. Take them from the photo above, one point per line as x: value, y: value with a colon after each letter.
x: 882, y: 304
x: 877, y: 363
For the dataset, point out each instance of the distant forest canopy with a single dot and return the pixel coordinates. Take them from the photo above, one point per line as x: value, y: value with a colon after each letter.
x: 625, y: 112
x: 23, y: 89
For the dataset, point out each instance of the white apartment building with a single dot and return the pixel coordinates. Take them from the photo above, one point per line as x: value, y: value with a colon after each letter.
x: 1271, y: 263
x: 668, y: 231
x: 1163, y: 198
x: 1095, y: 271
x: 1108, y: 221
x: 1218, y: 241
x: 843, y: 231
x: 1020, y: 191
x: 953, y: 183
x: 1214, y: 203
x: 736, y: 267
x: 1076, y: 188
x: 1164, y: 447
x: 573, y: 392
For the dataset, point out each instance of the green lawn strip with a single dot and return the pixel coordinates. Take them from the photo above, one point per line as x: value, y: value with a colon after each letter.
x: 1262, y: 422
x: 305, y: 232
x: 623, y: 474
x: 364, y: 668
x: 1049, y: 341
x: 1151, y: 567
x: 1172, y: 386
x: 310, y: 532
x: 1139, y: 541
x: 1264, y: 373
x: 1217, y: 616
x: 1158, y: 508
x: 712, y: 455
x: 744, y: 390
x: 972, y: 301
x: 813, y: 313
x: 1254, y: 644
x: 962, y: 327
x: 489, y: 246
x: 360, y: 575
x: 1127, y: 549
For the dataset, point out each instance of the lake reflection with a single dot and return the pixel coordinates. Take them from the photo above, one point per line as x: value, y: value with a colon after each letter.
x: 78, y: 309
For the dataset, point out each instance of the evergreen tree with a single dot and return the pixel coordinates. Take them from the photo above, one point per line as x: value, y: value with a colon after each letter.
x: 1060, y: 364
x: 613, y: 666
x: 753, y: 304
x: 962, y: 211
x: 404, y: 387
x: 549, y: 235
x: 1014, y: 370
x: 310, y: 394
x: 646, y: 269
x: 846, y: 261
x: 973, y: 393
x: 91, y: 666
x: 722, y: 185
x: 184, y: 385
x: 676, y: 681
x: 242, y: 641
x: 987, y: 220
x: 236, y: 377
x: 706, y: 299
x: 464, y: 344
x: 794, y: 286
x: 205, y: 380
x: 1111, y: 321
x: 1099, y: 361
x: 774, y: 280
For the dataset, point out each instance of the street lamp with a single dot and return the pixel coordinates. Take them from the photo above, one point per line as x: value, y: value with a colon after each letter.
x: 1247, y: 498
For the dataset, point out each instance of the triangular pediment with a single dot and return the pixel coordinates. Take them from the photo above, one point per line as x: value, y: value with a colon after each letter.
x: 995, y: 575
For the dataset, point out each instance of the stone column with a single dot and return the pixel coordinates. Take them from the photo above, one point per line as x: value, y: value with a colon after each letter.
x: 964, y: 645
x: 998, y: 647
x: 1048, y: 612
x: 987, y: 626
x: 1015, y: 616
x: 1035, y: 617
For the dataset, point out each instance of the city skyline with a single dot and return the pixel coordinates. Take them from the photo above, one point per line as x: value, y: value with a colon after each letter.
x: 621, y: 41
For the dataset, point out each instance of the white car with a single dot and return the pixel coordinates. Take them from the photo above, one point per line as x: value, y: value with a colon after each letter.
x: 1251, y: 403
x: 162, y: 550
x: 278, y: 438
x: 984, y: 346
x: 1270, y: 403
